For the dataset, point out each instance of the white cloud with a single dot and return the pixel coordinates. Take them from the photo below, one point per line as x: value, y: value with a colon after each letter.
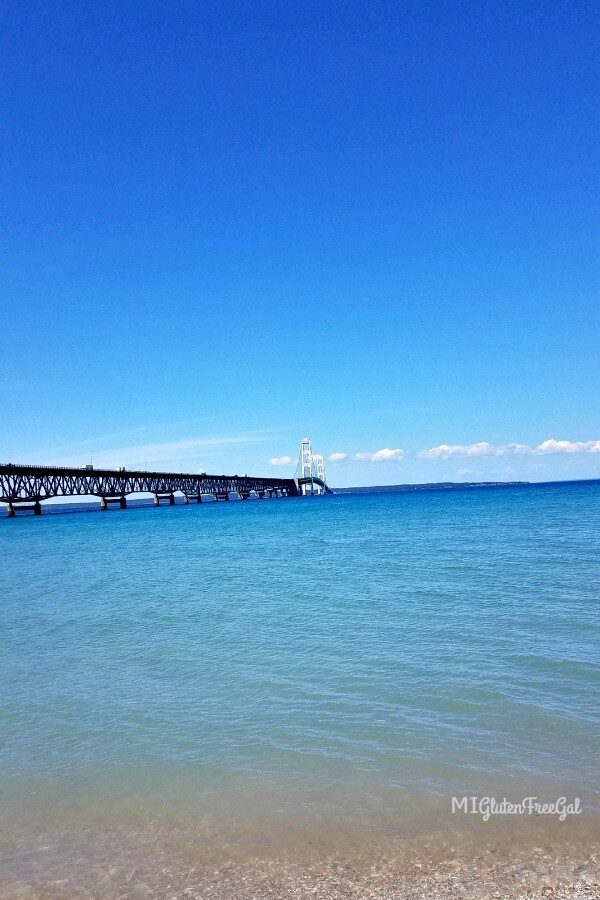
x: 282, y: 461
x: 553, y: 446
x: 337, y: 457
x: 384, y: 455
x: 444, y: 451
x: 484, y: 448
x: 502, y: 450
x: 439, y: 452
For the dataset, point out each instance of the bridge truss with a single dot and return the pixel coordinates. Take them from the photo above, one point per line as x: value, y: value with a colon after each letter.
x: 25, y: 487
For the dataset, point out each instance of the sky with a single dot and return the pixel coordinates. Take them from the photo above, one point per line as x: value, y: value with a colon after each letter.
x: 227, y: 225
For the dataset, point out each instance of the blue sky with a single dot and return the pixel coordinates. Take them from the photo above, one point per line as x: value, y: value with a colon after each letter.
x: 225, y: 225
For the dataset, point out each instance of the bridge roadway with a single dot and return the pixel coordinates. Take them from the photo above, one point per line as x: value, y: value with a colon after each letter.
x: 24, y: 487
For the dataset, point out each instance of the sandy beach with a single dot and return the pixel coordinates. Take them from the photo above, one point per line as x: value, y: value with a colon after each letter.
x: 546, y: 871
x: 527, y: 860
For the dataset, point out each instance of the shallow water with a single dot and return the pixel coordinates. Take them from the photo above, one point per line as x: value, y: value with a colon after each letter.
x: 271, y: 668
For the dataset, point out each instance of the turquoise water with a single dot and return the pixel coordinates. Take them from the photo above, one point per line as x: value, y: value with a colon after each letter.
x: 301, y: 656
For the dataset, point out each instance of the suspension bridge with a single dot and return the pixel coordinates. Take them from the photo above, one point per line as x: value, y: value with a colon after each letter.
x: 24, y: 487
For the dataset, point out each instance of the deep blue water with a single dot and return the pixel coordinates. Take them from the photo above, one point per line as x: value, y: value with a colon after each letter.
x: 353, y: 649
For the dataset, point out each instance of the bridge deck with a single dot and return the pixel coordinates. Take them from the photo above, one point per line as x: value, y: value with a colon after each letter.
x: 26, y: 486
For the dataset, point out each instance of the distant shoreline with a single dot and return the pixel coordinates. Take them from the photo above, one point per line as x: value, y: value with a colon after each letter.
x: 459, y: 485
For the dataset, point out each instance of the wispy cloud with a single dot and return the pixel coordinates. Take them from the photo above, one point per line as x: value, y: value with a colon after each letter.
x: 170, y: 451
x: 337, y: 457
x: 384, y: 455
x: 484, y: 448
x: 282, y: 461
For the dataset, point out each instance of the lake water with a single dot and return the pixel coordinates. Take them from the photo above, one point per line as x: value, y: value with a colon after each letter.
x: 270, y: 670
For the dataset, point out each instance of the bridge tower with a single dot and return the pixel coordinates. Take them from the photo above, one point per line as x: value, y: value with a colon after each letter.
x: 312, y: 465
x: 307, y: 464
x: 319, y: 466
x: 306, y: 459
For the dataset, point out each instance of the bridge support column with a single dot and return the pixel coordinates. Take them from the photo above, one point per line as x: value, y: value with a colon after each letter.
x: 169, y: 497
x: 34, y: 505
x: 104, y: 502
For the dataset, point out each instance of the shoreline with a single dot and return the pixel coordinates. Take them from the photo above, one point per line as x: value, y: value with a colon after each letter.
x: 160, y: 861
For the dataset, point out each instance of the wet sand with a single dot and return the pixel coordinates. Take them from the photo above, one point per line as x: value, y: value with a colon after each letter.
x: 164, y: 861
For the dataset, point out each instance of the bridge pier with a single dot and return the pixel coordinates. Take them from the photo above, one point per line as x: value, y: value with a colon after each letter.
x: 169, y: 497
x: 13, y: 505
x: 35, y: 507
x: 104, y: 501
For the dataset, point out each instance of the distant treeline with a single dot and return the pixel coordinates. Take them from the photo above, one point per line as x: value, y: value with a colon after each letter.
x: 460, y: 485
x: 429, y: 486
